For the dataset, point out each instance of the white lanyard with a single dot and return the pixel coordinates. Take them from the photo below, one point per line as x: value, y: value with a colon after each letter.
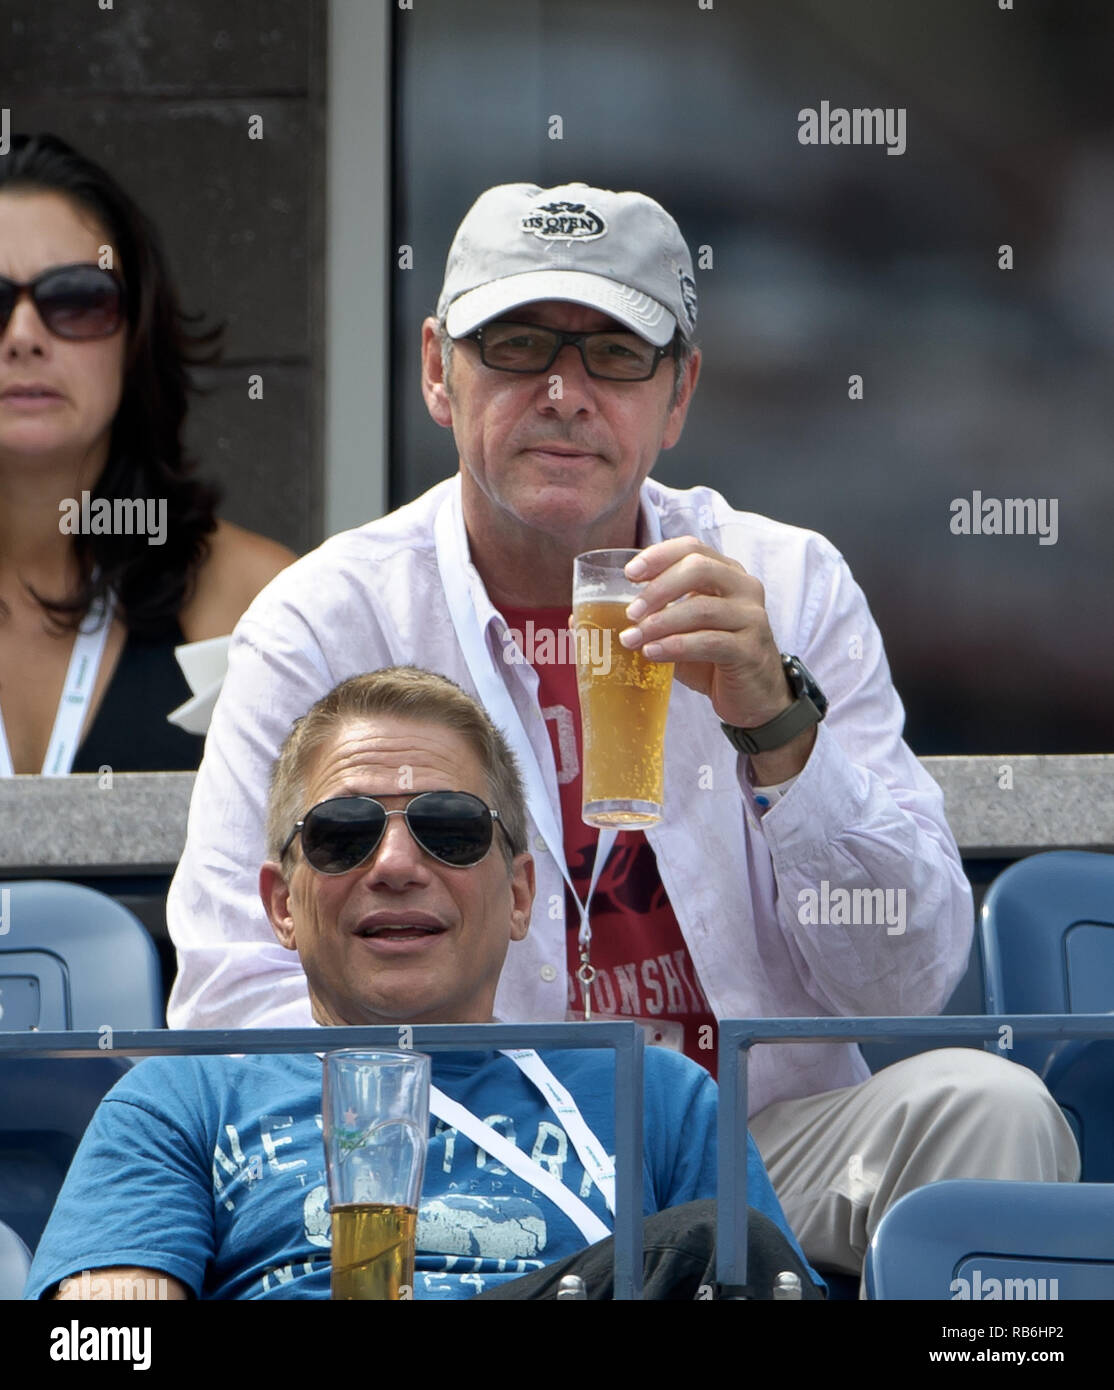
x: 77, y: 691
x: 596, y: 1162
x: 451, y: 540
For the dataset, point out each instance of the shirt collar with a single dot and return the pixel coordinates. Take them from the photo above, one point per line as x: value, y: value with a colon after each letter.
x: 649, y: 532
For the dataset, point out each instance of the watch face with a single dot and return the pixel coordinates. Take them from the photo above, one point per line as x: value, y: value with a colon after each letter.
x: 804, y: 682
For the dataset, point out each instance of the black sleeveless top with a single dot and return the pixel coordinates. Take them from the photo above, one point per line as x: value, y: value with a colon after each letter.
x: 130, y: 732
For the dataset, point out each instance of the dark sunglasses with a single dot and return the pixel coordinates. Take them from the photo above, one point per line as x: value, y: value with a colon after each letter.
x: 456, y: 828
x: 73, y: 301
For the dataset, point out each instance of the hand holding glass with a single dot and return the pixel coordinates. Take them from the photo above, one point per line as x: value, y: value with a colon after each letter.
x: 375, y: 1115
x: 623, y: 699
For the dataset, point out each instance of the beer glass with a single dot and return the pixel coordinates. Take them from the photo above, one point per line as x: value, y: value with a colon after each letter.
x: 623, y: 699
x: 375, y: 1116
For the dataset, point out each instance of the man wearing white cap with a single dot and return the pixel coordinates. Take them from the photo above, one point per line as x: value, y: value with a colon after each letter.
x: 804, y: 866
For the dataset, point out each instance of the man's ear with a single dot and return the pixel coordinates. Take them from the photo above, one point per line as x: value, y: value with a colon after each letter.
x: 275, y: 892
x: 434, y: 386
x: 675, y: 421
x: 522, y: 895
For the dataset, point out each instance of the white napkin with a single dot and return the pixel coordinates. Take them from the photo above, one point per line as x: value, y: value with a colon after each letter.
x: 204, y: 665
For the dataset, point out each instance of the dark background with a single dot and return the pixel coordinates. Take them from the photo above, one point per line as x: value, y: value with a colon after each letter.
x: 828, y: 261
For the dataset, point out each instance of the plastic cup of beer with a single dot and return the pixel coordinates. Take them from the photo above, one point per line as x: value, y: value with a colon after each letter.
x: 375, y: 1117
x: 623, y: 699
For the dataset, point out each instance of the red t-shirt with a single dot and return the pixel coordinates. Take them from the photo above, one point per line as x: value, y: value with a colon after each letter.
x: 643, y: 968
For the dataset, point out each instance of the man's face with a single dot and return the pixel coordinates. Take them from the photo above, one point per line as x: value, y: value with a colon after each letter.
x: 564, y: 457
x: 447, y: 974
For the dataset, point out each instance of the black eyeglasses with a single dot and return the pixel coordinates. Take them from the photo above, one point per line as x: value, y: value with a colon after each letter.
x: 74, y: 301
x: 456, y: 828
x: 613, y: 355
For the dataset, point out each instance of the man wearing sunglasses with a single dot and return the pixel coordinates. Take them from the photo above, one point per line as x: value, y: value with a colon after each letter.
x: 562, y: 358
x: 397, y: 870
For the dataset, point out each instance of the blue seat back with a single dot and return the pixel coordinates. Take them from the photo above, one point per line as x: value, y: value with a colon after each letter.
x: 45, y: 1106
x: 1047, y: 929
x: 71, y: 957
x: 966, y: 1238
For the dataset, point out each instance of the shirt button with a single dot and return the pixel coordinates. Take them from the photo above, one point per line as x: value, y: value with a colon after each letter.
x: 548, y: 973
x: 539, y: 843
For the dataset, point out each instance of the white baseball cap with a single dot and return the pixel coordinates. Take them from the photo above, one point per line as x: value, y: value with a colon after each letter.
x: 620, y: 253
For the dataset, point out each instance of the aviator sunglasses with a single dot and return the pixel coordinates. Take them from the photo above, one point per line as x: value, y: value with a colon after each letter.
x: 74, y: 301
x: 338, y: 835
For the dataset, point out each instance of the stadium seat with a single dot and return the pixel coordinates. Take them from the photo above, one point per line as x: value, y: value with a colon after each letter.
x: 979, y: 1240
x: 1047, y: 929
x: 45, y: 1106
x: 71, y: 957
x: 15, y: 1261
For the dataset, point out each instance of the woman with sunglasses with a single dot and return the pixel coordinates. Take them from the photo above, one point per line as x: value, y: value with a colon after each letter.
x: 93, y: 379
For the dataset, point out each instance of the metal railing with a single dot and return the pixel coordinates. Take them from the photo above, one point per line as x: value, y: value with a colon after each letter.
x: 624, y: 1039
x: 738, y: 1036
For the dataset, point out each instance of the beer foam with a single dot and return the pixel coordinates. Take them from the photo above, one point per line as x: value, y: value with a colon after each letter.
x: 606, y: 589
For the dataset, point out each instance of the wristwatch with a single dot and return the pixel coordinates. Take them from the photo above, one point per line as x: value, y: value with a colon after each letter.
x: 808, y: 709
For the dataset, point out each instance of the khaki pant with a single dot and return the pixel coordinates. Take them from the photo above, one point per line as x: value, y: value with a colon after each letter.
x: 839, y: 1159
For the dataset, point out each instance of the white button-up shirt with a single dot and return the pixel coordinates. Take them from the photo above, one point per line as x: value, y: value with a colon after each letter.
x: 766, y: 903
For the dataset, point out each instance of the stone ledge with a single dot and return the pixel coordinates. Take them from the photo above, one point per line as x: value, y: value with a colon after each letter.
x: 1063, y: 801
x: 73, y: 825
x: 76, y: 825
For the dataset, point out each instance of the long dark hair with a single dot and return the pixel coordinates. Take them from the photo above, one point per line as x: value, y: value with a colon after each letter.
x: 145, y: 456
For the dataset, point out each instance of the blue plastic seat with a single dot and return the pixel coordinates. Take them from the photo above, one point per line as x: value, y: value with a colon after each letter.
x: 71, y: 957
x: 1047, y: 929
x: 983, y: 1240
x: 45, y: 1107
x: 15, y: 1261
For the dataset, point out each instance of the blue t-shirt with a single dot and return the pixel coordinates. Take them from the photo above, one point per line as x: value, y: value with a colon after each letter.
x: 211, y: 1169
